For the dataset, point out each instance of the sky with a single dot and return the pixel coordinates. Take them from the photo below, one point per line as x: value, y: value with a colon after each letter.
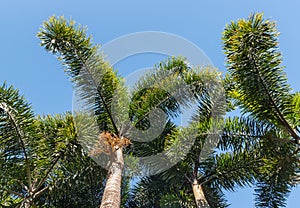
x: 41, y: 79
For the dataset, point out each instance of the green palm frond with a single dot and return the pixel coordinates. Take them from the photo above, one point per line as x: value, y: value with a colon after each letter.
x: 215, y: 196
x: 173, y: 86
x: 54, y: 136
x: 295, y: 116
x: 144, y: 149
x: 269, y: 149
x: 278, y: 173
x: 156, y: 89
x: 16, y: 124
x: 93, y: 78
x: 231, y: 170
x: 154, y: 191
x: 148, y: 192
x: 76, y: 182
x: 63, y: 168
x: 254, y: 64
x: 245, y: 133
x: 205, y: 94
x: 30, y: 148
x: 275, y: 184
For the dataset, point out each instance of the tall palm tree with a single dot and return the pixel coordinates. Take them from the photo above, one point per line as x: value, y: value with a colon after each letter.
x: 203, y: 129
x: 83, y: 62
x: 98, y: 84
x: 199, y: 182
x: 261, y: 147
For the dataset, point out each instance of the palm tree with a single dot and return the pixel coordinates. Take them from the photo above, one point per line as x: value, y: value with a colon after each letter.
x: 258, y: 85
x: 118, y: 121
x: 197, y: 182
x: 184, y: 177
x: 78, y: 54
x: 261, y: 147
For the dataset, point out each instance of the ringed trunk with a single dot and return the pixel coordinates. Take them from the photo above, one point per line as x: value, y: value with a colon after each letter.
x: 112, y: 192
x: 200, y: 199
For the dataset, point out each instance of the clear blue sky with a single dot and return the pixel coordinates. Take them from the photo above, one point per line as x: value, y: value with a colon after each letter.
x: 40, y: 77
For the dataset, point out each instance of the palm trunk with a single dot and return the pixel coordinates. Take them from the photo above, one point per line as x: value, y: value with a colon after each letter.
x: 112, y: 192
x: 26, y: 204
x: 200, y: 199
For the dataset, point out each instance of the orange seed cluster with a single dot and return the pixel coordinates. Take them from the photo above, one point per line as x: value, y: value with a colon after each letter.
x: 107, y: 143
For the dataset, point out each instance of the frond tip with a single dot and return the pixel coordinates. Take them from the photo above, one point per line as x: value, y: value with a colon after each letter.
x: 94, y: 79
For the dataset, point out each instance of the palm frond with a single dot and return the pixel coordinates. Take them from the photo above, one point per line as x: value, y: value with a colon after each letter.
x: 275, y: 182
x: 294, y: 117
x: 148, y: 192
x: 30, y: 148
x: 215, y: 196
x: 16, y: 123
x: 231, y: 170
x: 173, y: 86
x: 254, y: 63
x: 93, y: 78
x: 245, y: 133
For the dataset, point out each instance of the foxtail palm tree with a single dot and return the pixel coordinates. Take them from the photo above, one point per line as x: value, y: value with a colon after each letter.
x: 263, y: 144
x: 98, y: 85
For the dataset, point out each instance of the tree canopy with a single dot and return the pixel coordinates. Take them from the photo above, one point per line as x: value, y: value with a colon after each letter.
x: 73, y: 160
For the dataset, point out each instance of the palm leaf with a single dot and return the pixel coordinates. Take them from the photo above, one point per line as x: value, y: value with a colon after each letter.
x: 254, y: 64
x: 93, y: 78
x: 30, y: 148
x: 173, y: 85
x: 16, y: 119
